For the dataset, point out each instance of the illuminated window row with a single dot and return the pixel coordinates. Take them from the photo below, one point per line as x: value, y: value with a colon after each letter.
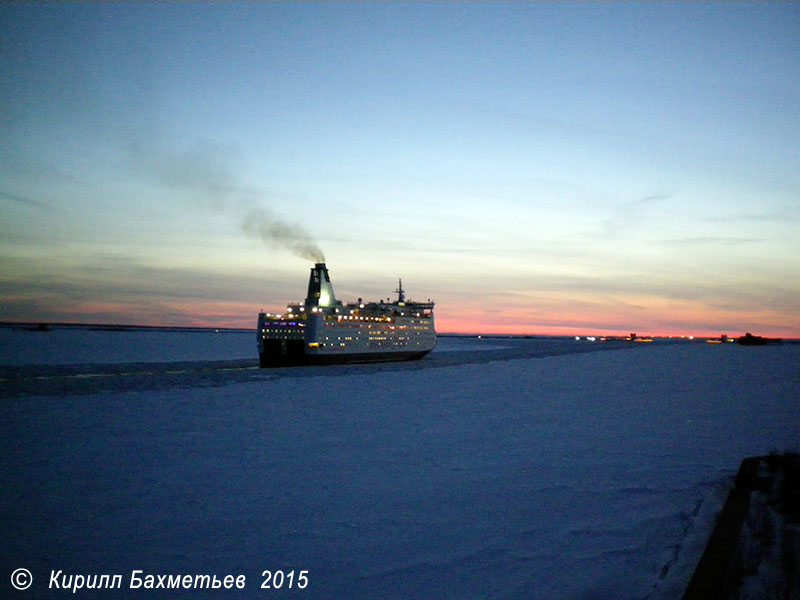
x: 282, y: 332
x: 362, y: 318
x: 359, y: 325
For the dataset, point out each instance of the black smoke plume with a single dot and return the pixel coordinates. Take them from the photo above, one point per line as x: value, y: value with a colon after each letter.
x: 206, y: 170
x: 261, y: 223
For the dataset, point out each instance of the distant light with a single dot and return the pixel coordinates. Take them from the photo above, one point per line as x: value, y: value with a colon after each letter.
x: 577, y: 338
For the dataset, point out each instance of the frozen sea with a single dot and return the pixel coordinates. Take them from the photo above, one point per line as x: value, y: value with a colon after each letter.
x: 494, y: 468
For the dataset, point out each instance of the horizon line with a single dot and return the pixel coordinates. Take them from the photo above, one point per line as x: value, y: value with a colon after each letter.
x: 577, y: 333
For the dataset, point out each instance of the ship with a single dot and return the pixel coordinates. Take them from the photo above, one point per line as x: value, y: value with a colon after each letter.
x: 748, y: 339
x: 323, y: 330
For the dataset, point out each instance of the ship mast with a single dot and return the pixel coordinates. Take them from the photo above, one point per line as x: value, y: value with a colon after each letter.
x: 401, y: 295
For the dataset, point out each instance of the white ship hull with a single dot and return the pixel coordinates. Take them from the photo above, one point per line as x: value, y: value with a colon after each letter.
x: 322, y: 330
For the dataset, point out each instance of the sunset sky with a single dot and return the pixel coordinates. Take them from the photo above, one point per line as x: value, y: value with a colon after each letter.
x: 532, y: 167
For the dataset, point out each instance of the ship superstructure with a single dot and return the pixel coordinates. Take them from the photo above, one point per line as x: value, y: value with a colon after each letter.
x: 324, y: 330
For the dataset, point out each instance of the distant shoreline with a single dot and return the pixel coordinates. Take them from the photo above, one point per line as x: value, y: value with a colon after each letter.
x: 45, y: 326
x: 32, y: 326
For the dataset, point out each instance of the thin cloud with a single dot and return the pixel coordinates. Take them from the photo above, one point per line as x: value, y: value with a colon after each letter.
x: 25, y: 201
x: 636, y: 204
x: 629, y: 214
x: 109, y: 279
x: 725, y: 241
x: 787, y: 213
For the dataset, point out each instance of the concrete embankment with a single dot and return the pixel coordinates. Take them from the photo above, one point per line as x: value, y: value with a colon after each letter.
x: 754, y: 550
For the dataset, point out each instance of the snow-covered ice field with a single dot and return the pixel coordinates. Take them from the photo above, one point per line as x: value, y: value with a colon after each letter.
x: 76, y: 345
x: 579, y: 475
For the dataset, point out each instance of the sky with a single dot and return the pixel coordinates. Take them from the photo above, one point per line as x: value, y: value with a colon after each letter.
x: 533, y: 168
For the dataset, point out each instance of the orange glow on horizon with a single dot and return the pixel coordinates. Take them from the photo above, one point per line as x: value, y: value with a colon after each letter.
x: 470, y: 320
x: 476, y: 326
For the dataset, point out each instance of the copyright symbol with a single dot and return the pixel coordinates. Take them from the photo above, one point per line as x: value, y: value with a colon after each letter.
x: 21, y: 579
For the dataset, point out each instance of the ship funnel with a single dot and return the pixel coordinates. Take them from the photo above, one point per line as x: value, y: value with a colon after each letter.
x: 320, y: 290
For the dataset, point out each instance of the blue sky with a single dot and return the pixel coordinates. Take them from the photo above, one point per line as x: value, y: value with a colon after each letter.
x: 532, y: 167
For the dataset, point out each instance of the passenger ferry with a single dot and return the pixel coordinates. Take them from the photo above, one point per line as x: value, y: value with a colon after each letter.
x: 323, y: 330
